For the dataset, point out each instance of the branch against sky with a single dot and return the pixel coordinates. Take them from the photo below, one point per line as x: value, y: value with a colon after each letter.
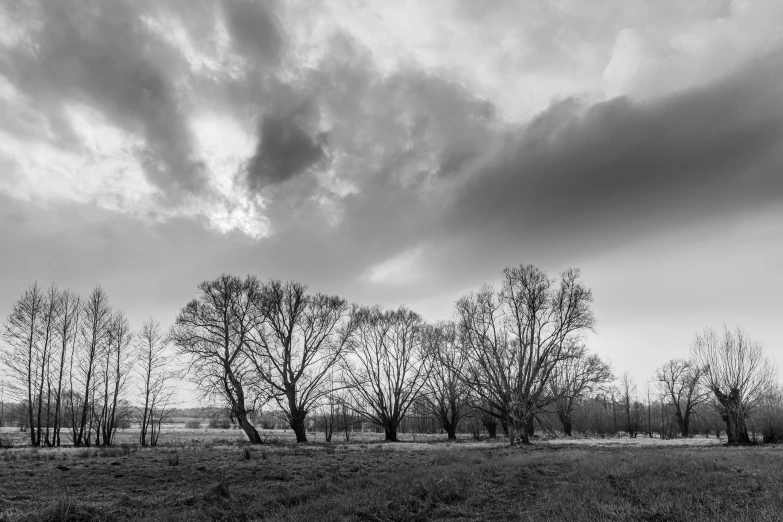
x: 518, y: 336
x: 385, y: 369
x: 212, y: 332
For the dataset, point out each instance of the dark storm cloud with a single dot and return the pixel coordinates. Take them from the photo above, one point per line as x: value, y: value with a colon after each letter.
x: 254, y: 29
x: 631, y: 167
x: 284, y: 151
x: 400, y: 140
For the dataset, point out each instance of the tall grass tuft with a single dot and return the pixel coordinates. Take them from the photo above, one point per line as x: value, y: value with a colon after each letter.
x: 174, y: 458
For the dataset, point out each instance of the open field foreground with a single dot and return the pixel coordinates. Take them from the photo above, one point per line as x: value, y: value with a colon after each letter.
x: 403, y: 481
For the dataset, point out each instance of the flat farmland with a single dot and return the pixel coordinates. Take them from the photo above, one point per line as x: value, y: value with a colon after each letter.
x: 201, y: 479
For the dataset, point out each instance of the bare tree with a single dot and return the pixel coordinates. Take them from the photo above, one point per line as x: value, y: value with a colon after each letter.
x: 50, y: 317
x: 97, y: 316
x: 151, y: 351
x: 21, y: 353
x: 516, y: 338
x: 115, y: 368
x: 212, y: 331
x: 445, y: 392
x: 738, y: 374
x: 297, y: 340
x: 388, y: 371
x: 681, y: 382
x: 628, y: 392
x: 771, y: 414
x: 573, y: 380
x: 67, y: 334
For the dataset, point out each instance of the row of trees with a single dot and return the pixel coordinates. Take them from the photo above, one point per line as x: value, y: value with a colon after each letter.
x: 69, y: 362
x: 510, y: 353
x: 513, y: 356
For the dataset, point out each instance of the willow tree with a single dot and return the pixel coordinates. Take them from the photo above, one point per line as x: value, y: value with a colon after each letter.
x: 297, y: 340
x: 212, y: 332
x: 573, y: 380
x: 517, y: 336
x: 682, y: 384
x: 737, y: 372
x: 446, y: 394
x: 385, y: 369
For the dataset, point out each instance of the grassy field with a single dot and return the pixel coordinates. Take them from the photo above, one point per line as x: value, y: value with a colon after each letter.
x: 223, y: 479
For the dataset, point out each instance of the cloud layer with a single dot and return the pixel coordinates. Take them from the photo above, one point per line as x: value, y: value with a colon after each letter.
x: 399, y: 143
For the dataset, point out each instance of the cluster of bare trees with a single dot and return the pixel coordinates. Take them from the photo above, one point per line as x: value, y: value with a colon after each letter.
x: 510, y: 354
x: 69, y: 360
x: 513, y: 356
x: 726, y: 384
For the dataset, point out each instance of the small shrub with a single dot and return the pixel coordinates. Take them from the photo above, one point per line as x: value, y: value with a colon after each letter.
x: 194, y: 424
x: 84, y: 453
x: 174, y: 458
x: 246, y: 454
x: 6, y: 442
x: 218, y: 423
x: 220, y: 491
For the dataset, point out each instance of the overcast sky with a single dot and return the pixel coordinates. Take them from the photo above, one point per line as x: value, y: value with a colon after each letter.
x: 402, y: 152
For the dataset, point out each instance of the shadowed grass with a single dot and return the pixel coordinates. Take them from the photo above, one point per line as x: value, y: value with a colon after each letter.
x: 399, y: 482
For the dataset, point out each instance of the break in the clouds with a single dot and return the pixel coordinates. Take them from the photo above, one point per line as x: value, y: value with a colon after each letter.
x: 396, y: 148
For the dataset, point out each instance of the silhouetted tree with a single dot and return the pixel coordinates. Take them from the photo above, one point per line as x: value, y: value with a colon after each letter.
x: 628, y: 392
x: 444, y: 391
x: 22, y: 353
x: 97, y: 316
x: 574, y: 379
x: 388, y: 371
x: 516, y: 337
x: 681, y: 382
x: 212, y: 332
x: 738, y: 374
x: 296, y: 341
x: 155, y: 376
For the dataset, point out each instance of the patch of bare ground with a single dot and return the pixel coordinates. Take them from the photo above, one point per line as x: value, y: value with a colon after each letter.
x: 405, y: 482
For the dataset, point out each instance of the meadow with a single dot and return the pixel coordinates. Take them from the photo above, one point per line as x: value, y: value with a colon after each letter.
x: 214, y: 475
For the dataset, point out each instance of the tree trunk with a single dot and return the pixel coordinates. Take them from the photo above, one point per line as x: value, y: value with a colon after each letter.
x: 736, y: 430
x: 451, y: 431
x: 504, y: 425
x: 298, y: 425
x: 681, y: 421
x: 567, y: 424
x: 524, y: 436
x: 391, y: 433
x: 249, y: 429
x: 492, y: 428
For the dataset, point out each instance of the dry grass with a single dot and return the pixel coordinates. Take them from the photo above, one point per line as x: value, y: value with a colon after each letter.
x: 407, y: 481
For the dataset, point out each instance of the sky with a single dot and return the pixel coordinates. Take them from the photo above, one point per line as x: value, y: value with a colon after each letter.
x: 402, y: 153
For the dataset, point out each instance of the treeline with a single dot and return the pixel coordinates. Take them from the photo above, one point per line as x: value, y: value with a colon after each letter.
x: 69, y: 362
x: 513, y: 358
